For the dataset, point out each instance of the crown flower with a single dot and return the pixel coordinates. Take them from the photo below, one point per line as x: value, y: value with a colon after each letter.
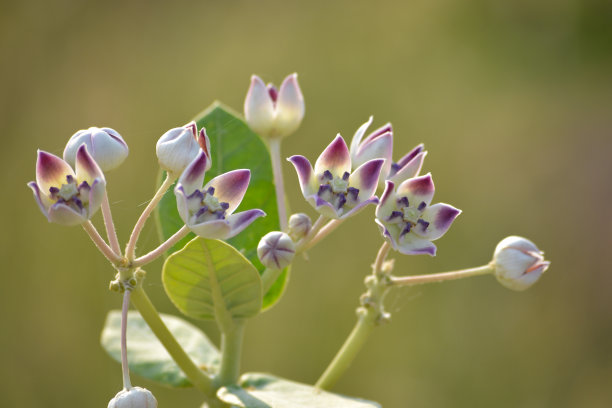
x: 407, y: 219
x: 105, y: 145
x: 518, y: 263
x: 331, y: 188
x: 179, y: 146
x: 209, y: 211
x: 63, y: 195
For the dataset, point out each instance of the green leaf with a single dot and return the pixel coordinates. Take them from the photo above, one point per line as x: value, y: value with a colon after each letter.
x: 146, y: 355
x: 210, y: 279
x: 234, y: 146
x: 266, y: 391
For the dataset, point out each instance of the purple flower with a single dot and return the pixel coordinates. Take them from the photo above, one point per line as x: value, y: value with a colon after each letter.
x: 63, y: 195
x: 407, y: 219
x: 379, y: 145
x: 331, y: 188
x: 209, y: 211
x: 271, y: 113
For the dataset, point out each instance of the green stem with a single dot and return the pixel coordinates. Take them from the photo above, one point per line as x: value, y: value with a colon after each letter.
x: 441, y: 277
x: 268, y: 277
x: 231, y: 352
x: 150, y: 315
x: 277, y: 171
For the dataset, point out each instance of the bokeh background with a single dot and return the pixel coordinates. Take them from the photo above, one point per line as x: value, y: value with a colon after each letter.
x: 512, y: 99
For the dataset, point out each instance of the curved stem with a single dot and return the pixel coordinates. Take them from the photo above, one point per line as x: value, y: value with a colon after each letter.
x: 279, y: 185
x: 441, y: 277
x: 381, y: 256
x: 150, y: 315
x: 157, y: 252
x: 268, y: 277
x: 304, y: 243
x: 124, y: 359
x: 111, y: 233
x: 131, y: 246
x: 322, y: 233
x: 100, y: 243
x: 231, y: 352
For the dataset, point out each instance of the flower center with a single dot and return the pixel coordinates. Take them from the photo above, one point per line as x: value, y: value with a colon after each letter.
x: 72, y: 194
x: 408, y: 217
x: 204, y: 206
x: 336, y: 190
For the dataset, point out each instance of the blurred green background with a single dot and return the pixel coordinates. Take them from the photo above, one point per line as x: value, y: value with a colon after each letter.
x: 512, y: 99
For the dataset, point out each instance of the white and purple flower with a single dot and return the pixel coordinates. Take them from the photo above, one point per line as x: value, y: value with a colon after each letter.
x: 209, y: 211
x: 105, y: 145
x: 379, y: 145
x: 271, y: 113
x: 179, y: 146
x: 63, y: 195
x: 407, y: 219
x: 331, y: 188
x: 518, y: 263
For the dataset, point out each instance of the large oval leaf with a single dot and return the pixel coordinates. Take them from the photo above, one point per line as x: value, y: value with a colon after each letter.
x: 210, y: 279
x: 148, y: 358
x: 266, y: 391
x: 234, y: 146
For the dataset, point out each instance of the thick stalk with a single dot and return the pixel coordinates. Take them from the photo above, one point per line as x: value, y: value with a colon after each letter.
x: 100, y: 243
x: 127, y: 384
x: 441, y: 277
x: 279, y: 185
x: 304, y: 243
x: 157, y: 252
x: 131, y: 246
x: 322, y: 233
x: 111, y: 233
x: 198, y: 378
x: 231, y: 352
x: 268, y: 277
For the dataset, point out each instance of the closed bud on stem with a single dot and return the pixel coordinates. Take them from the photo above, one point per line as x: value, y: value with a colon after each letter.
x: 105, y: 145
x: 135, y: 397
x: 276, y: 250
x: 179, y: 146
x: 518, y: 263
x: 299, y: 226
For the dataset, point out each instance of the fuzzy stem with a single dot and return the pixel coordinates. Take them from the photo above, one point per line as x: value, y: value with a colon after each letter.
x: 150, y: 315
x: 279, y: 185
x: 131, y: 246
x: 322, y: 233
x: 304, y: 243
x: 111, y: 233
x: 441, y: 277
x: 381, y: 256
x: 124, y: 358
x: 231, y: 351
x: 157, y: 252
x: 100, y: 243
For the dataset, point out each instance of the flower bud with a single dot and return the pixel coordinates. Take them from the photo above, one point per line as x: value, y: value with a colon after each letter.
x: 105, y: 145
x: 274, y: 114
x: 135, y: 397
x: 299, y: 226
x: 179, y: 146
x: 518, y: 263
x: 276, y: 250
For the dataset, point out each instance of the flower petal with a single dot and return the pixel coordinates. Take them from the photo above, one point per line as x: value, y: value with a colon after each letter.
x: 216, y: 229
x: 356, y: 140
x: 37, y: 196
x: 51, y: 171
x: 365, y: 178
x: 230, y: 187
x: 323, y: 207
x: 258, y: 107
x: 411, y: 244
x: 289, y: 106
x: 335, y: 158
x: 359, y: 207
x: 387, y: 202
x: 193, y: 176
x: 86, y: 167
x: 305, y: 174
x: 241, y: 220
x: 96, y: 195
x: 409, y: 170
x: 411, y: 155
x: 417, y: 189
x: 181, y: 203
x: 204, y: 143
x: 62, y: 214
x: 440, y: 217
x: 379, y: 148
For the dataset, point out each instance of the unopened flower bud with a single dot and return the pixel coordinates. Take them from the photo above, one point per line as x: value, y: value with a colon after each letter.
x: 135, y: 397
x: 179, y: 146
x: 276, y: 250
x: 299, y: 226
x: 105, y: 145
x: 518, y: 263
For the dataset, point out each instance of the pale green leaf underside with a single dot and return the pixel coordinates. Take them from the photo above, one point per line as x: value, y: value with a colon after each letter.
x: 266, y: 391
x: 234, y: 146
x: 210, y: 278
x: 146, y: 355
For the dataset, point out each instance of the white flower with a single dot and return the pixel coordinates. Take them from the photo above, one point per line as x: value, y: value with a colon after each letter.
x: 518, y: 263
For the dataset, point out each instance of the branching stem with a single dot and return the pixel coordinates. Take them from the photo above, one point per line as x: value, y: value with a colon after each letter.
x: 279, y: 185
x: 111, y: 233
x: 124, y: 358
x: 441, y: 277
x: 100, y: 243
x: 157, y: 252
